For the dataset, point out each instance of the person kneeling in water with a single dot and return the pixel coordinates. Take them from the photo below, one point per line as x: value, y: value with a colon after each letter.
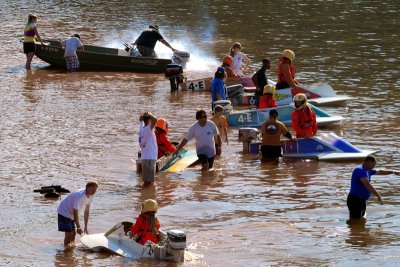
x: 165, y: 147
x: 147, y: 225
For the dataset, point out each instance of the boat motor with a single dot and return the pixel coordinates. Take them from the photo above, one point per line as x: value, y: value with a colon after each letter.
x: 176, y: 239
x: 181, y: 57
x: 226, y: 104
x: 174, y: 72
x: 247, y: 136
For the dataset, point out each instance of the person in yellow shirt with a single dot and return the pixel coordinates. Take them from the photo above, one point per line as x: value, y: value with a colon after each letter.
x: 221, y: 122
x: 271, y: 131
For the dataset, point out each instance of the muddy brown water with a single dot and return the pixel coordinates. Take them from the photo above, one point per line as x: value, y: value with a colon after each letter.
x: 65, y: 128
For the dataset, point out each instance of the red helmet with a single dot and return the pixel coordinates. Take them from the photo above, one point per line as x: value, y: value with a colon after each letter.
x: 228, y: 60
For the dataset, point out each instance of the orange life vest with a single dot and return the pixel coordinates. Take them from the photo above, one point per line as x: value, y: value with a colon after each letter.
x: 304, y: 122
x: 281, y: 75
x: 142, y: 229
x: 266, y: 101
x: 165, y: 147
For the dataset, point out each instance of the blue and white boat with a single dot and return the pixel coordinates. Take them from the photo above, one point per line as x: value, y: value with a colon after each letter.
x: 255, y: 117
x: 324, y: 147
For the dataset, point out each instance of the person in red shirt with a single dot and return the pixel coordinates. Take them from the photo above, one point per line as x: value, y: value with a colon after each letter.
x: 165, y: 147
x: 267, y: 100
x: 227, y: 62
x: 147, y: 225
x: 286, y: 71
x: 304, y: 120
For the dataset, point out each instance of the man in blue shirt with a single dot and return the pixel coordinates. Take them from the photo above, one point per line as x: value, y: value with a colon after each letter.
x: 217, y: 86
x: 361, y: 188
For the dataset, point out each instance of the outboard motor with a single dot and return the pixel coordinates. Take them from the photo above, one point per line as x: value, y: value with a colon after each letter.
x: 181, y: 57
x: 247, y: 136
x: 226, y: 104
x: 176, y: 239
x: 174, y: 72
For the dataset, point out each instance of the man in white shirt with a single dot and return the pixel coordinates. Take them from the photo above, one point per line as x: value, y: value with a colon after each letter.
x: 148, y: 146
x: 68, y: 212
x: 206, y: 133
x: 71, y: 45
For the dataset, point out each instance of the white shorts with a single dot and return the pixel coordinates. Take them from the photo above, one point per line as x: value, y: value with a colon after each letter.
x: 148, y: 170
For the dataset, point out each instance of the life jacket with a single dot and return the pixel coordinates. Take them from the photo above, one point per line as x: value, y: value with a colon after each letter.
x: 304, y: 122
x: 142, y: 229
x: 165, y: 147
x: 29, y: 33
x: 281, y: 75
x: 266, y: 101
x: 229, y: 71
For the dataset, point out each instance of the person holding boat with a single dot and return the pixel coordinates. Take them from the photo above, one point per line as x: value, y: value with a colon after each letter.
x: 260, y: 78
x: 227, y: 62
x: 267, y: 100
x: 238, y: 59
x: 147, y: 40
x: 30, y: 31
x: 286, y: 71
x: 217, y: 85
x: 361, y: 187
x: 147, y: 224
x: 165, y: 146
x: 148, y: 147
x: 271, y: 131
x: 208, y: 140
x: 68, y: 212
x: 71, y: 45
x: 304, y: 120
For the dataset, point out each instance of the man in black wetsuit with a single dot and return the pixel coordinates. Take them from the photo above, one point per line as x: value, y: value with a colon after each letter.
x: 260, y: 77
x: 147, y: 41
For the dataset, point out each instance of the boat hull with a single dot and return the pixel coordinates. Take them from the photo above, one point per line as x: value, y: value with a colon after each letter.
x: 101, y: 58
x: 255, y: 117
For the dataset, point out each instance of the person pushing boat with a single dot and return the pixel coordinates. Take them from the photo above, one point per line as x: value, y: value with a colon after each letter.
x: 71, y: 46
x: 30, y: 31
x: 147, y: 40
x: 361, y: 187
x: 286, y: 71
x: 304, y: 120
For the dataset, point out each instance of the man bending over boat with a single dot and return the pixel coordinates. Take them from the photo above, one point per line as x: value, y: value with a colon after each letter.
x: 68, y: 212
x: 361, y: 187
x: 71, y: 45
x: 148, y: 40
x: 271, y: 130
x: 208, y: 140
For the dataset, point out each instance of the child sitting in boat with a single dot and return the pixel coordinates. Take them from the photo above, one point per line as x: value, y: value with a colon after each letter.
x: 227, y: 62
x: 221, y: 122
x: 165, y: 147
x: 267, y: 100
x: 147, y: 225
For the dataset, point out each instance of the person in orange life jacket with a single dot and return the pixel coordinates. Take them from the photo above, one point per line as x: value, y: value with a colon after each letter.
x: 304, y: 120
x: 227, y: 62
x: 286, y: 71
x: 165, y: 147
x: 271, y: 130
x: 267, y: 100
x: 147, y: 225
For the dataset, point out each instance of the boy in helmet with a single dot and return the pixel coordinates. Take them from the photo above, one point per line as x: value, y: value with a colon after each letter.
x: 267, y: 100
x: 165, y: 147
x: 286, y: 71
x: 147, y: 225
x: 304, y: 120
x: 227, y: 62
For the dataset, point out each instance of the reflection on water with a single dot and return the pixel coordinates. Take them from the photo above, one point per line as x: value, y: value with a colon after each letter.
x: 65, y: 128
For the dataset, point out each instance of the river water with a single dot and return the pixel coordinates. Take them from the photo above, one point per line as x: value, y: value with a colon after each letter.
x: 65, y: 128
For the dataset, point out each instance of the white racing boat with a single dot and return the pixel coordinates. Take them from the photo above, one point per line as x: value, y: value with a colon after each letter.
x: 118, y: 240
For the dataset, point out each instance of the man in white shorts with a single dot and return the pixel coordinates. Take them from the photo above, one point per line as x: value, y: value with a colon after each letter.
x: 71, y: 45
x: 206, y: 133
x: 148, y: 146
x: 68, y: 212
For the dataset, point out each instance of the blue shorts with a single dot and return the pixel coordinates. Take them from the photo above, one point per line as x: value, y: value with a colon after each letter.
x: 65, y: 224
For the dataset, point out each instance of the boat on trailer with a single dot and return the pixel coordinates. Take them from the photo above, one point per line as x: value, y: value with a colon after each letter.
x: 255, y: 117
x: 324, y: 147
x: 104, y: 58
x: 118, y: 240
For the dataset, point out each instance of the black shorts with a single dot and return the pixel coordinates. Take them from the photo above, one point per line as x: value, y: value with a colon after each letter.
x: 357, y: 206
x: 271, y: 152
x: 29, y: 48
x: 282, y: 85
x: 204, y: 160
